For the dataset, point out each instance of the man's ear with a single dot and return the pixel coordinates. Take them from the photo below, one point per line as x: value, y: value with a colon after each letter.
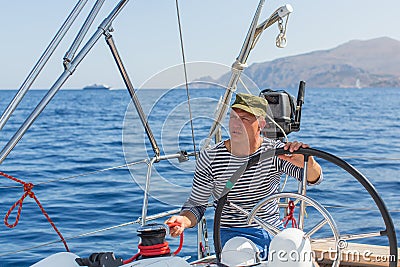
x: 261, y: 123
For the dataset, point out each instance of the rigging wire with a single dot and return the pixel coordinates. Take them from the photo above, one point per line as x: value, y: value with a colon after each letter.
x: 70, y: 238
x: 90, y: 233
x: 186, y: 76
x: 83, y: 174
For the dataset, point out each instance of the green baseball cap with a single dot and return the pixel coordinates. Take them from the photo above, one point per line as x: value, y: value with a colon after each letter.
x: 252, y: 104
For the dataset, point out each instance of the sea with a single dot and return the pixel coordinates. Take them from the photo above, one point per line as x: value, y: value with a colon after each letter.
x: 87, y: 156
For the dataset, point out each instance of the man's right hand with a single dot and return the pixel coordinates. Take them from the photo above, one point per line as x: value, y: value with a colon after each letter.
x: 183, y: 222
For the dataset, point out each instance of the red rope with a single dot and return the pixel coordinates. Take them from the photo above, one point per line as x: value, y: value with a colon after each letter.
x: 156, y: 250
x: 290, y: 216
x: 170, y: 225
x: 28, y: 192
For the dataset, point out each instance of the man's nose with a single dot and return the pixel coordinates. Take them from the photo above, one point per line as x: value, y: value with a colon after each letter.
x: 236, y: 121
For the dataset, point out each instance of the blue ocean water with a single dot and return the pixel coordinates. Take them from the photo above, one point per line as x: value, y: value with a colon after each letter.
x: 84, y: 131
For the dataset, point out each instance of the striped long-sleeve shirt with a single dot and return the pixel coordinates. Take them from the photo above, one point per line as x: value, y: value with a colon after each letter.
x: 216, y: 166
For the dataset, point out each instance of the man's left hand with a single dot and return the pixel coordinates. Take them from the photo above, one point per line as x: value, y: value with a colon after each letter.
x: 295, y: 159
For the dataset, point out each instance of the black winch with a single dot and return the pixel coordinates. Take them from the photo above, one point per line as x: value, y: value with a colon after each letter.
x: 151, y: 236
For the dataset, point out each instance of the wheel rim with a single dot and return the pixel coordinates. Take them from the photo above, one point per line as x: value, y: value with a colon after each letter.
x: 389, y: 231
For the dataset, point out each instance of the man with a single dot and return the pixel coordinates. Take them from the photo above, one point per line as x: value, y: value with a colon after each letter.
x: 216, y: 166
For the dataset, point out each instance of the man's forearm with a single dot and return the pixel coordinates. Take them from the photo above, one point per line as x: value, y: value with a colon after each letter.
x: 313, y: 170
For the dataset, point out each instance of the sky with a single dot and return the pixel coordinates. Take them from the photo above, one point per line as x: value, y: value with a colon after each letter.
x: 147, y: 37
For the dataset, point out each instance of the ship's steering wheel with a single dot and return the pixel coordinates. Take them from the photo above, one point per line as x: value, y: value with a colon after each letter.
x: 389, y: 231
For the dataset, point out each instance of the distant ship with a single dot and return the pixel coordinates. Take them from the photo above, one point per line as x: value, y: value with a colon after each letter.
x: 97, y: 86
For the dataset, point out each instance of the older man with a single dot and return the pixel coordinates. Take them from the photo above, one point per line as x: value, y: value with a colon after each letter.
x: 216, y: 166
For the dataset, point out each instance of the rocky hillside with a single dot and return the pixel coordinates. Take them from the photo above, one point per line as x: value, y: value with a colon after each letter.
x: 371, y: 63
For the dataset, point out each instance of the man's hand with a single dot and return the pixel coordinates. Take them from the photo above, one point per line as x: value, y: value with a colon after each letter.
x: 295, y: 159
x: 183, y: 222
x: 313, y: 170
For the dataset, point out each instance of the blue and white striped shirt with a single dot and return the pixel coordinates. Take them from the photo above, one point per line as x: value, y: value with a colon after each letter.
x: 216, y: 166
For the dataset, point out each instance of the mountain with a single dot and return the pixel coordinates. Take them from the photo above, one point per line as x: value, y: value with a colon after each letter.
x: 370, y: 63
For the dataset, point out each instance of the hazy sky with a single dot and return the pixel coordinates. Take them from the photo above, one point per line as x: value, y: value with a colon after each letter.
x: 146, y: 34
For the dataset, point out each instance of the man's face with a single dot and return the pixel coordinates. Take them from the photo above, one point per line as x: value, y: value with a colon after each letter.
x: 243, y: 126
